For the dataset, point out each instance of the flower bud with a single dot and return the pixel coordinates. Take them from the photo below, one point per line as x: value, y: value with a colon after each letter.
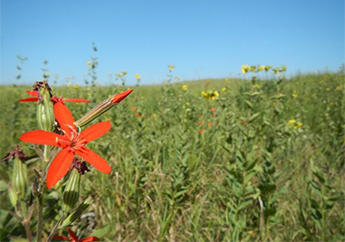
x: 45, y: 110
x: 19, y: 178
x: 77, y: 213
x: 72, y: 191
x: 102, y: 108
x: 13, y: 196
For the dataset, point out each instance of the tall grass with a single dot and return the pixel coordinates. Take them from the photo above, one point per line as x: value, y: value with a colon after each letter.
x: 263, y: 161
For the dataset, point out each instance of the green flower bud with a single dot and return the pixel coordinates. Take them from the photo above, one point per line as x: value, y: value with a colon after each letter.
x: 45, y: 110
x: 13, y: 196
x: 19, y: 178
x: 77, y: 213
x: 101, y: 108
x: 72, y: 191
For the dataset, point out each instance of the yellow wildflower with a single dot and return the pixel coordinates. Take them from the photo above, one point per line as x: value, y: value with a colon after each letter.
x: 328, y: 89
x: 292, y: 121
x: 210, y: 95
x: 261, y: 68
x: 137, y: 76
x: 76, y: 86
x: 88, y: 63
x: 223, y: 89
x: 268, y: 67
x: 227, y: 80
x: 294, y: 94
x: 171, y: 67
x: 185, y: 87
x: 245, y: 68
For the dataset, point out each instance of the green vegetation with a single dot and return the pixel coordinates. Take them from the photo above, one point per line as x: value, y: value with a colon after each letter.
x: 252, y: 161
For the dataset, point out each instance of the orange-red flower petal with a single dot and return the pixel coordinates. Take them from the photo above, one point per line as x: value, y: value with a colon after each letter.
x: 94, y: 159
x: 89, y: 239
x: 32, y: 93
x: 95, y: 131
x: 41, y: 137
x: 77, y: 100
x: 72, y: 235
x: 119, y: 97
x: 64, y: 117
x: 59, y: 166
x: 29, y: 99
x: 57, y: 237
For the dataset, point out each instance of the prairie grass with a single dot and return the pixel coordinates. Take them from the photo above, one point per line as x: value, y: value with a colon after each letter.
x: 263, y: 161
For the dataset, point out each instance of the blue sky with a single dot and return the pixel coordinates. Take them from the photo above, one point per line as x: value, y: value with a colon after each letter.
x: 203, y: 39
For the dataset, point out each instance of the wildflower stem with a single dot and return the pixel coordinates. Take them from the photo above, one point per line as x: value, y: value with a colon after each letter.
x: 46, y: 154
x: 27, y: 230
x: 39, y: 217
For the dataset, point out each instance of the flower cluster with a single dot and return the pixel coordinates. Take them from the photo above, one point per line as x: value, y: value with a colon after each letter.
x: 294, y: 124
x: 210, y: 95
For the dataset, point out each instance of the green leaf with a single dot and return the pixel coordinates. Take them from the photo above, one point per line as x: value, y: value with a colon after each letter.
x: 3, y: 186
x: 253, y: 117
x: 100, y: 232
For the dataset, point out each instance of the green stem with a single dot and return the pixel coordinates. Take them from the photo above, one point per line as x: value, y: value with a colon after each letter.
x: 39, y: 217
x: 46, y: 154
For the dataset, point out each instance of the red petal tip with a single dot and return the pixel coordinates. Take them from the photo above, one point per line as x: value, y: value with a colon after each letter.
x: 119, y: 97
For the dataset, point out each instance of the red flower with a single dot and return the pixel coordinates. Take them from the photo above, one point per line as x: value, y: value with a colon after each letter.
x: 73, y: 237
x: 54, y: 99
x: 119, y: 97
x: 71, y: 143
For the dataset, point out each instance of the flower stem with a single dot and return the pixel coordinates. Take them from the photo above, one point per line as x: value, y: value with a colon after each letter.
x: 39, y: 217
x: 46, y: 154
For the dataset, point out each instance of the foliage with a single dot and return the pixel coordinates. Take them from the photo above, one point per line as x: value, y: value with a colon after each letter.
x: 190, y: 168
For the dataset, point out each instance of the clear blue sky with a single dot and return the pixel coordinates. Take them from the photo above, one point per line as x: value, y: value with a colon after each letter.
x: 202, y: 38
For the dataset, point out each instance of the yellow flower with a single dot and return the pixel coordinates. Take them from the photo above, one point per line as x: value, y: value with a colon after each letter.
x: 216, y: 94
x: 328, y: 89
x: 245, y: 68
x: 185, y: 87
x: 171, y: 67
x: 205, y: 95
x: 299, y: 124
x: 227, y: 80
x: 292, y: 121
x: 88, y: 63
x: 76, y: 86
x: 137, y: 76
x: 338, y: 88
x: 331, y: 104
x: 124, y: 73
x: 294, y: 94
x: 223, y: 89
x: 256, y: 86
x: 261, y: 68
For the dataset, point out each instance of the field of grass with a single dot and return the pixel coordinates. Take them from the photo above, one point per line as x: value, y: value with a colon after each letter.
x: 261, y: 161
